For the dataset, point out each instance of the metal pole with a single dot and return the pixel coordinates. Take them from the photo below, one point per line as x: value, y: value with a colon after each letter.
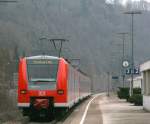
x: 123, y: 45
x: 123, y: 76
x: 132, y: 54
x: 92, y: 84
x: 123, y: 54
x: 108, y: 85
x: 60, y: 49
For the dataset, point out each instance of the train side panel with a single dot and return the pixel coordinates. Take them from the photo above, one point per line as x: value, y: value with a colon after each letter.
x: 62, y: 85
x: 78, y: 86
x: 84, y: 86
x: 71, y: 79
x: 23, y: 94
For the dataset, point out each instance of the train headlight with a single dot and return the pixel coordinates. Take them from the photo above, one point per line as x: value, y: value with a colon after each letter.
x: 23, y: 91
x: 60, y: 92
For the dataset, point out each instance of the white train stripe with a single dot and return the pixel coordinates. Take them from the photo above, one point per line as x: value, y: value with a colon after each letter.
x: 87, y: 107
x: 23, y: 104
x: 61, y: 104
x: 71, y: 103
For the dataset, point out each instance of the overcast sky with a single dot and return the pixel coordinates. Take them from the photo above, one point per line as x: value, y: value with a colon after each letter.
x: 125, y: 1
x: 136, y: 0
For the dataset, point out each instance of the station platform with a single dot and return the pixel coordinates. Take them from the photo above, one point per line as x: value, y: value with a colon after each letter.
x: 116, y: 111
x: 108, y: 110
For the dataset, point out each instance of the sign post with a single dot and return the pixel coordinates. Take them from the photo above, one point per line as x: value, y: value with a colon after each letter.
x: 125, y: 64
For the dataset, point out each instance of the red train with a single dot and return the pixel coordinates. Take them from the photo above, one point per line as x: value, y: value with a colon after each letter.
x: 48, y: 85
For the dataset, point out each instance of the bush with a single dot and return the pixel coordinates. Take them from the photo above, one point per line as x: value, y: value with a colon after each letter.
x: 136, y: 90
x: 131, y: 99
x: 137, y: 99
x: 123, y: 93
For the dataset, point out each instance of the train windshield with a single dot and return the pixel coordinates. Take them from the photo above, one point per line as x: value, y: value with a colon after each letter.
x: 42, y: 74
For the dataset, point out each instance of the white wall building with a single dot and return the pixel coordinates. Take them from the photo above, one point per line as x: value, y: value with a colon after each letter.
x: 145, y: 69
x: 137, y: 82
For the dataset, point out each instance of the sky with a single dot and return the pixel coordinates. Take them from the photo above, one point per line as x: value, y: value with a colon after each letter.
x: 137, y: 0
x: 125, y: 1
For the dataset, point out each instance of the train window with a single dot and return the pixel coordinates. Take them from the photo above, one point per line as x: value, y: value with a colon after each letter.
x: 42, y: 74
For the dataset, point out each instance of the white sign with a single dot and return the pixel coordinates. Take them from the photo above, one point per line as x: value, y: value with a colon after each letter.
x: 125, y: 64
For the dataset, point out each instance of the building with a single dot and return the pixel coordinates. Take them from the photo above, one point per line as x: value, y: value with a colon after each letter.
x: 145, y: 69
x: 137, y: 82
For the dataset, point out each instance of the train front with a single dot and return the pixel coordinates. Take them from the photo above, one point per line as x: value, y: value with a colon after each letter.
x: 37, y: 85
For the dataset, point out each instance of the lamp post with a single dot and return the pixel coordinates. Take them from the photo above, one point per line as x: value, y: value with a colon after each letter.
x: 132, y: 13
x: 108, y: 84
x: 123, y: 34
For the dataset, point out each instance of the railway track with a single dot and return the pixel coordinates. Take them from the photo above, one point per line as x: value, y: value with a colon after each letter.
x: 59, y: 120
x: 26, y: 121
x: 52, y: 122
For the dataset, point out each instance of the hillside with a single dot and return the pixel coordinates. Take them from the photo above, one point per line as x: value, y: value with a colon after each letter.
x: 90, y: 27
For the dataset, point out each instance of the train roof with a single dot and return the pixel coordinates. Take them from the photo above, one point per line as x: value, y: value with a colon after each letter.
x: 42, y: 57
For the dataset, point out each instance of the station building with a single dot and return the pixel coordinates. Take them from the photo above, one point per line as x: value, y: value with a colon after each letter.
x: 137, y: 82
x: 145, y: 69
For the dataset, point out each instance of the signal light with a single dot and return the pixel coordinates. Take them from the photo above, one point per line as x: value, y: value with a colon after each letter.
x: 23, y: 91
x: 60, y: 92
